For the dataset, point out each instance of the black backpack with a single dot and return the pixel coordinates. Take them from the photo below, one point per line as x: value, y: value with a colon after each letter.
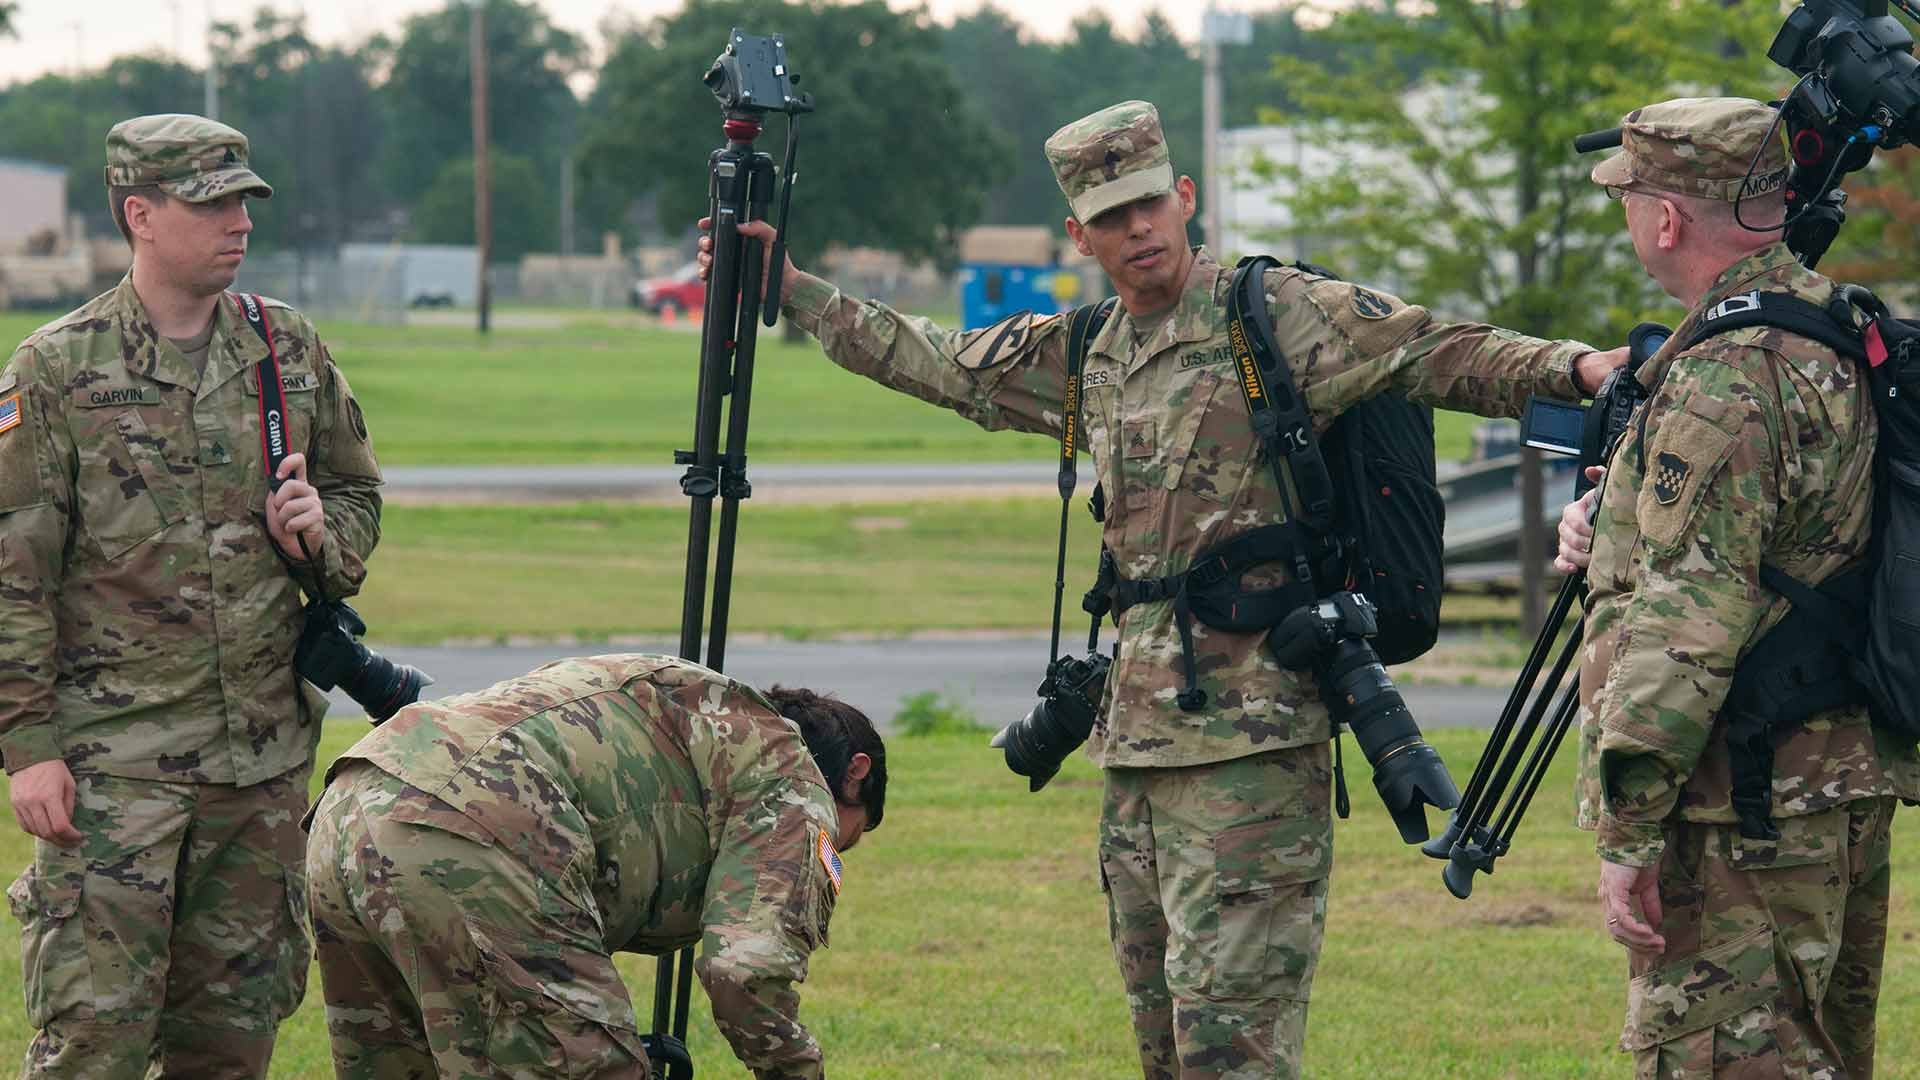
x: 1854, y: 639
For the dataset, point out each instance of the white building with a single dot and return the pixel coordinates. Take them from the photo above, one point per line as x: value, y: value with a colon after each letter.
x: 34, y: 196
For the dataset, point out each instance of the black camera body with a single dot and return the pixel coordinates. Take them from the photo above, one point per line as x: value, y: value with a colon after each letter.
x: 329, y: 654
x: 1329, y: 638
x: 1069, y: 703
x: 1862, y: 70
x: 751, y: 76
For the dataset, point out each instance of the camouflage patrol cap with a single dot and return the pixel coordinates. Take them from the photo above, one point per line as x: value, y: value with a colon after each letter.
x: 1698, y: 146
x: 1115, y: 156
x: 188, y: 157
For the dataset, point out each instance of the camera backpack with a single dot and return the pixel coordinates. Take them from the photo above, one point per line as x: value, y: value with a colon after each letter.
x: 1854, y: 638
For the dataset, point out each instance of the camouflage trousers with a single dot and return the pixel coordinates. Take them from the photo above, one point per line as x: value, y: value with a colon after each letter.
x: 174, y: 936
x: 1216, y: 883
x: 441, y: 953
x: 1774, y: 950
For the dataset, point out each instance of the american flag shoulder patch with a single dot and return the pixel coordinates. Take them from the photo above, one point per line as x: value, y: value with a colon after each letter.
x: 829, y: 860
x: 9, y: 412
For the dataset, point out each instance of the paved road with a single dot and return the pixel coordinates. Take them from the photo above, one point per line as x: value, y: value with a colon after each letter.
x: 994, y: 676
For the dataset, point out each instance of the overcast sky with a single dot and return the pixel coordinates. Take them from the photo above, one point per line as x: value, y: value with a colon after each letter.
x: 54, y: 35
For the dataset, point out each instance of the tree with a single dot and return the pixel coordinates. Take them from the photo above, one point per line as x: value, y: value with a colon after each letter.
x: 1468, y: 194
x: 531, y: 110
x: 60, y: 120
x: 521, y: 200
x: 7, y: 10
x: 1879, y: 246
x: 896, y: 156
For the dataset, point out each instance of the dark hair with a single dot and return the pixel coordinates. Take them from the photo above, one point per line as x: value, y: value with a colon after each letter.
x: 117, y: 196
x: 835, y: 731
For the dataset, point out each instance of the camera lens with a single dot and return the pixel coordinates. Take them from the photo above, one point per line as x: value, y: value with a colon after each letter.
x: 383, y: 687
x: 1037, y: 743
x: 1407, y: 772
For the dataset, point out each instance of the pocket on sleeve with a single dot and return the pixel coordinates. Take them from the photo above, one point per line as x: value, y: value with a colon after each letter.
x: 1682, y: 458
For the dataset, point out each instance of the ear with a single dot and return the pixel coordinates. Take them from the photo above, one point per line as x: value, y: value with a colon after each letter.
x: 1078, y: 234
x: 1189, y: 200
x: 139, y: 214
x: 1671, y: 226
x: 857, y: 770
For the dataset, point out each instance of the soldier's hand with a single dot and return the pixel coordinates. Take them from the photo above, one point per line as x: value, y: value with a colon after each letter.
x: 1621, y: 887
x: 1592, y: 369
x: 42, y: 797
x: 766, y: 235
x: 294, y: 511
x: 1576, y: 528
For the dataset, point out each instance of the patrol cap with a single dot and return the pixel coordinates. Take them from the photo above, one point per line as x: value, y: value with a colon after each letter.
x: 1115, y: 156
x: 1698, y: 146
x: 188, y: 157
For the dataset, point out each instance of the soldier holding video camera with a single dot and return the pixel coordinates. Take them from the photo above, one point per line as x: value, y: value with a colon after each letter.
x: 156, y: 735
x: 1216, y: 834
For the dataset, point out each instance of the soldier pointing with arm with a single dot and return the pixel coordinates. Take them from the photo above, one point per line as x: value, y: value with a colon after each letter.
x: 1225, y: 807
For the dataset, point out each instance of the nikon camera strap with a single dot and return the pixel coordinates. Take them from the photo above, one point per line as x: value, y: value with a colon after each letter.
x: 1082, y: 325
x: 1279, y: 415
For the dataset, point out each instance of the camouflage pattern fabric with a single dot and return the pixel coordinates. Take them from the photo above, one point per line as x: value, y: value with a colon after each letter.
x: 1774, y: 951
x: 1117, y: 155
x: 627, y: 803
x: 1174, y: 448
x: 189, y: 157
x: 147, y: 623
x: 1710, y: 148
x: 176, y: 932
x: 1218, y: 979
x: 1757, y: 446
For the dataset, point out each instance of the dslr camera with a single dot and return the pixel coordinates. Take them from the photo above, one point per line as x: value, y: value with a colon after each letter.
x: 1037, y: 743
x: 1330, y: 639
x: 329, y: 654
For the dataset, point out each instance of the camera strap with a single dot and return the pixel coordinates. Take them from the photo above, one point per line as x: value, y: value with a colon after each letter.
x: 273, y: 409
x: 1082, y: 326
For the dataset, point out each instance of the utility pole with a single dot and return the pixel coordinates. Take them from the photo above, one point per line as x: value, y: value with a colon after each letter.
x: 482, y: 190
x: 566, y: 205
x: 1217, y: 28
x: 212, y: 104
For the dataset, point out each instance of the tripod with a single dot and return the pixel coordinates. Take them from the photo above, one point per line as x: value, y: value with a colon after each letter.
x: 740, y: 183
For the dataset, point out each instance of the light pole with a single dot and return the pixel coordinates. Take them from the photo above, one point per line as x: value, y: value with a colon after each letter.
x: 482, y: 190
x: 1217, y: 28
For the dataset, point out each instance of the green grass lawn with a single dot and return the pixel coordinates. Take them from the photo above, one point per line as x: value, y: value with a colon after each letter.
x: 602, y: 387
x: 970, y: 943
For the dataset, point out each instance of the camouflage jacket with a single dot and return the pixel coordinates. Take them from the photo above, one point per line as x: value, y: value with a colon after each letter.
x: 1757, y: 446
x: 673, y: 803
x: 1174, y: 448
x: 147, y: 622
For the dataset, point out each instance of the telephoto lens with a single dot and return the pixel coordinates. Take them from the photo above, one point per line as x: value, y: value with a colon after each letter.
x: 1037, y: 743
x: 1407, y: 772
x: 328, y: 656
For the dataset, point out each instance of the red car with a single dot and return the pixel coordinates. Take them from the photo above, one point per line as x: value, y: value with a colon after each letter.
x: 682, y: 291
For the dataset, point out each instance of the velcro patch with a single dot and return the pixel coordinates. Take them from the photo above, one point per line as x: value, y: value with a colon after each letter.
x: 10, y: 413
x: 100, y: 397
x: 997, y: 343
x: 829, y: 860
x: 1370, y: 305
x: 1669, y: 477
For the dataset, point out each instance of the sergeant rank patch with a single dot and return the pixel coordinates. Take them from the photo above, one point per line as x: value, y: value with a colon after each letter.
x: 829, y: 860
x: 1669, y: 477
x: 9, y: 413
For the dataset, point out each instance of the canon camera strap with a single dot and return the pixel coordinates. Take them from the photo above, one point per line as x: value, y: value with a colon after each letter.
x: 1279, y: 414
x: 273, y: 401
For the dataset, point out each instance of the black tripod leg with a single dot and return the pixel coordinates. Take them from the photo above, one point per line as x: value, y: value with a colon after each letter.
x: 1563, y: 715
x: 1476, y: 802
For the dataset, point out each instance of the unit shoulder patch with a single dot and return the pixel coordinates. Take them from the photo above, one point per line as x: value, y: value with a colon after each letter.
x: 1670, y: 472
x: 998, y: 343
x: 1370, y: 305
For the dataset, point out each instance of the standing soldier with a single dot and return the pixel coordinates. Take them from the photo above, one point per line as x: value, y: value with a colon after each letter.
x: 1216, y: 837
x: 1749, y: 957
x: 157, y: 739
x: 476, y: 862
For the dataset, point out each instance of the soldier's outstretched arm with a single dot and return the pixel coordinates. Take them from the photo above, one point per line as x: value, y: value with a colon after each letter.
x: 1703, y: 517
x: 769, y: 898
x: 1347, y: 342
x: 1008, y: 376
x: 36, y: 509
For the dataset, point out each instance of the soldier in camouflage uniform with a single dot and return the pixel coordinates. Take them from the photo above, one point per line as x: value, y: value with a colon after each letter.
x: 475, y: 862
x: 1223, y: 812
x: 157, y: 739
x: 1756, y: 958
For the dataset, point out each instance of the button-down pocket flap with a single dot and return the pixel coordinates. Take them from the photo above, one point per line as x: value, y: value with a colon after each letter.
x: 1682, y: 458
x: 1802, y: 842
x: 1701, y: 991
x: 1263, y: 855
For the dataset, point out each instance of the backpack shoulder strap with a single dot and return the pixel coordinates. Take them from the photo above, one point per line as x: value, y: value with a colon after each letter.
x: 1789, y: 313
x: 1084, y: 323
